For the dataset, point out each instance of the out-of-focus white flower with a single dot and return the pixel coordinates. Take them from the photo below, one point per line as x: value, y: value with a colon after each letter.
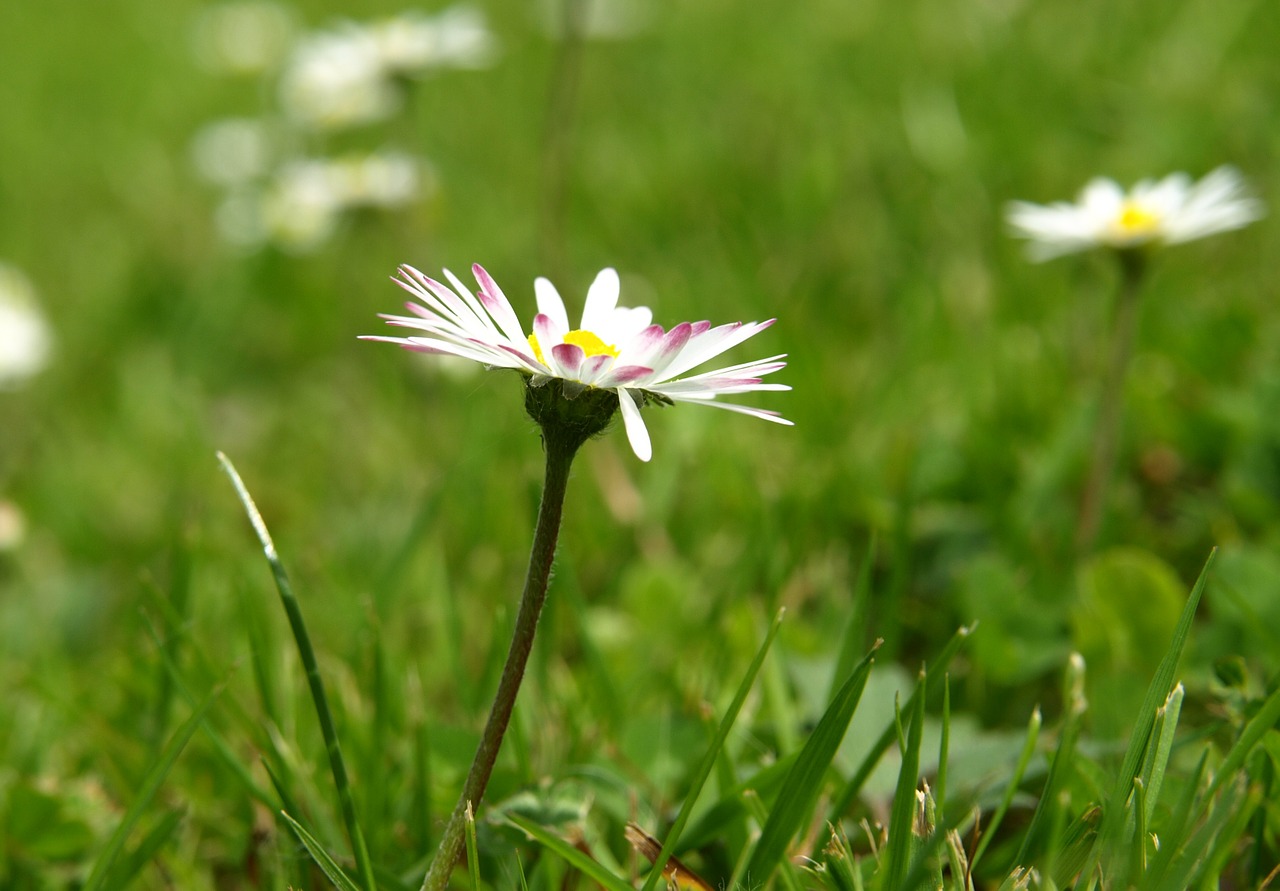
x: 233, y: 151
x: 455, y: 38
x: 246, y: 37
x: 1167, y: 211
x: 304, y: 203
x: 301, y: 207
x: 379, y: 179
x: 13, y: 526
x: 613, y: 348
x: 25, y: 341
x: 337, y: 79
x: 346, y: 76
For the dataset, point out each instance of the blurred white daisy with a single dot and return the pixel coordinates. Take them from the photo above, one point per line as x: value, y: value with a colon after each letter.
x: 346, y: 76
x: 1167, y: 211
x: 245, y: 37
x: 413, y: 42
x: 232, y: 151
x: 302, y: 206
x: 385, y: 179
x: 13, y: 526
x: 613, y: 348
x: 336, y: 79
x: 25, y: 341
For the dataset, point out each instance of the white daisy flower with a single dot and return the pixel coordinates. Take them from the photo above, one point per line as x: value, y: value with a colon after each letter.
x: 1169, y: 211
x: 25, y: 340
x: 613, y: 348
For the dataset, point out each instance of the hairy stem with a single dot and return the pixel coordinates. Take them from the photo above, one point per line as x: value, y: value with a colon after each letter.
x: 560, y: 454
x: 1106, y: 433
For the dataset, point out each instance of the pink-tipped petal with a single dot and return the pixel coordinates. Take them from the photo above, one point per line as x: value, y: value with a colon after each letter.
x: 567, y: 360
x: 497, y: 305
x: 624, y: 375
x: 550, y: 304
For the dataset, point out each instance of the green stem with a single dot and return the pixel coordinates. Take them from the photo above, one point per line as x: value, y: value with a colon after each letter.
x: 560, y: 452
x: 1106, y: 435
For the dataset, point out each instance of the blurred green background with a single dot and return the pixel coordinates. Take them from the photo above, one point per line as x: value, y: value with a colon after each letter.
x: 841, y: 166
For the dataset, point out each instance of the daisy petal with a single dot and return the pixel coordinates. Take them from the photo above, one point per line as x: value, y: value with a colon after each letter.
x: 637, y: 433
x: 602, y: 299
x: 550, y: 304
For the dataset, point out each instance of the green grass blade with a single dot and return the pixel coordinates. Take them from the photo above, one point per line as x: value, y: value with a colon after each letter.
x: 1265, y: 719
x: 896, y: 857
x: 220, y: 745
x: 326, y: 863
x: 576, y: 858
x: 473, y: 852
x: 855, y: 632
x: 146, y: 792
x: 128, y: 868
x: 1024, y: 759
x: 803, y: 784
x: 1157, y: 693
x: 307, y: 654
x: 731, y: 807
x: 1153, y: 771
x: 937, y: 672
x: 1173, y: 837
x: 1060, y: 768
x: 944, y: 747
x: 713, y: 752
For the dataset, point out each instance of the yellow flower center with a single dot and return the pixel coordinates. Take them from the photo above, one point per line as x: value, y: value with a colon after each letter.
x: 590, y: 343
x: 1136, y: 220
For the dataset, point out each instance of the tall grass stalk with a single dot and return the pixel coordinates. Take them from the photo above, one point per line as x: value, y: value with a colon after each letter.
x: 307, y: 654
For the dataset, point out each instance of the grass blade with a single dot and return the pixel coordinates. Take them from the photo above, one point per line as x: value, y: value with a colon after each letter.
x: 804, y: 781
x: 1114, y: 817
x: 1153, y: 771
x: 1024, y: 759
x: 938, y: 672
x: 713, y: 752
x: 130, y: 866
x: 855, y: 632
x: 1258, y: 725
x: 576, y: 858
x: 326, y: 863
x: 307, y: 654
x: 897, y: 853
x: 146, y: 792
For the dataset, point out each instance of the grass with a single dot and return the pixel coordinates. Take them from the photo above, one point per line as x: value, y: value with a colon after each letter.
x: 842, y: 167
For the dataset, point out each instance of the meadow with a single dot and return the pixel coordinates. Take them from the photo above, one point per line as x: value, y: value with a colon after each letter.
x: 842, y: 167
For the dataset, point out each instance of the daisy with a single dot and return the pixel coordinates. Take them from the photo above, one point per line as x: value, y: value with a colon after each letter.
x: 613, y: 348
x: 1169, y: 211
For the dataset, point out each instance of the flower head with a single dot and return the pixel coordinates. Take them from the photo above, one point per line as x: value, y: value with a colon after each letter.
x: 25, y: 340
x: 613, y: 352
x: 1169, y: 211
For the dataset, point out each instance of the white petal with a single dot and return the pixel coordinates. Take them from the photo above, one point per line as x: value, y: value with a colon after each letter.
x: 637, y: 433
x: 551, y: 305
x: 602, y: 299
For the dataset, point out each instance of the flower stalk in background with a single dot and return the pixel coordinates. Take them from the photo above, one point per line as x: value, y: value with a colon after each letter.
x: 1149, y: 215
x: 575, y: 381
